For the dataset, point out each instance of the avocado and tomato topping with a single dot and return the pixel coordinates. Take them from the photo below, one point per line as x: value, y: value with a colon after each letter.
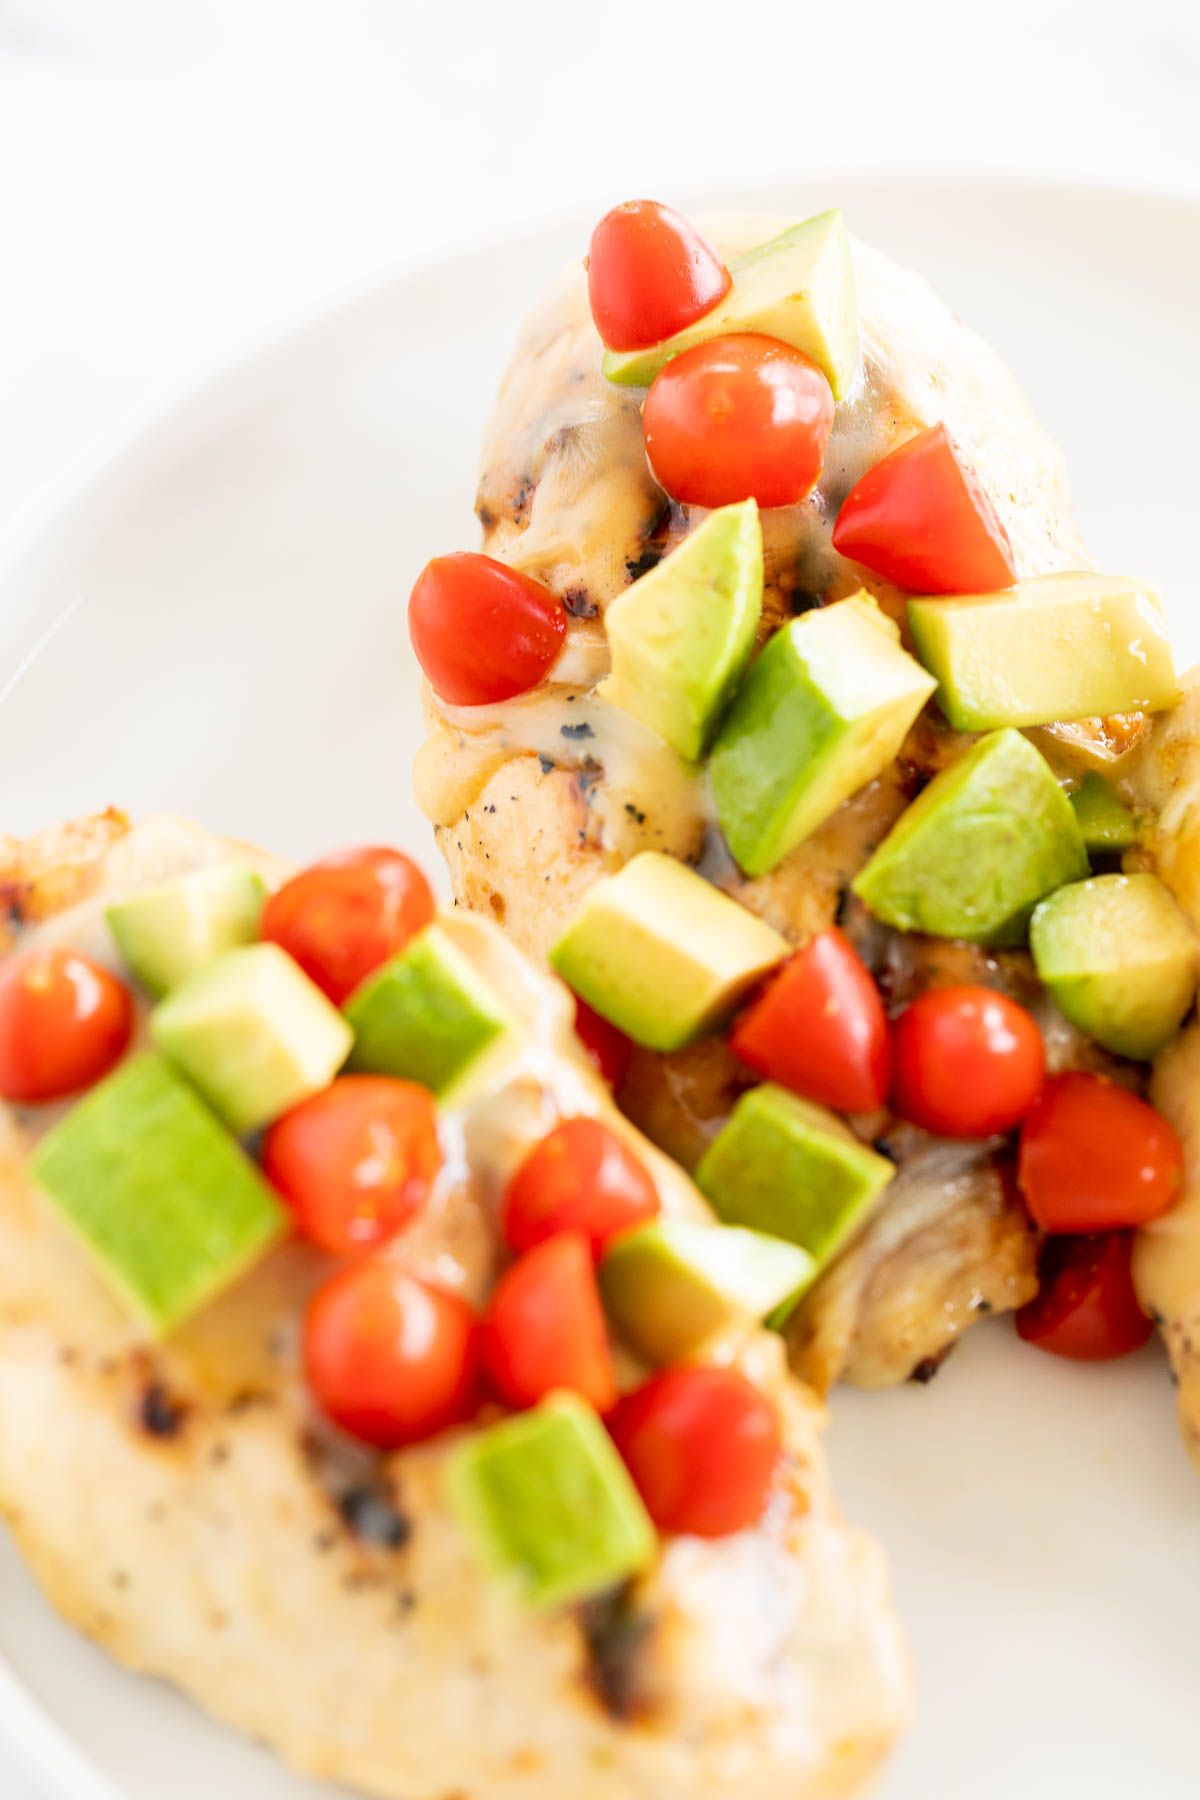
x: 989, y: 837
x: 797, y: 288
x: 170, y: 932
x: 663, y: 954
x: 1058, y: 647
x: 149, y: 1172
x: 681, y: 636
x: 1106, y: 824
x: 822, y: 711
x: 1120, y: 959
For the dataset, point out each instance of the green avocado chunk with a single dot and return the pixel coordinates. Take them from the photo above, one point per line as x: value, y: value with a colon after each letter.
x: 823, y: 711
x: 1106, y: 822
x: 168, y: 932
x: 787, y: 1167
x: 987, y: 839
x: 663, y: 954
x: 547, y: 1502
x: 671, y: 1285
x: 253, y: 1033
x: 681, y: 637
x: 428, y: 1016
x: 1120, y: 959
x: 160, y: 1194
x: 1059, y: 647
x: 798, y: 287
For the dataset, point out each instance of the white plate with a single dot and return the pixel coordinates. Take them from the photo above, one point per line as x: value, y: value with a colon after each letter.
x: 217, y: 625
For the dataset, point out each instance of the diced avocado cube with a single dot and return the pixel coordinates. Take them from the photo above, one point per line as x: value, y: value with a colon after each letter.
x: 680, y: 638
x: 793, y: 1169
x: 823, y: 711
x: 547, y: 1502
x: 971, y: 857
x: 428, y: 1016
x: 1060, y: 647
x: 798, y: 287
x: 253, y: 1033
x: 670, y: 1285
x: 166, y: 933
x: 1107, y: 825
x: 1120, y: 959
x: 661, y: 953
x: 158, y: 1191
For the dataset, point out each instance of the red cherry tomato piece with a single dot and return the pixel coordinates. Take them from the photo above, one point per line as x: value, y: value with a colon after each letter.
x: 650, y: 274
x: 344, y: 916
x: 819, y: 1028
x: 968, y: 1062
x: 607, y: 1047
x: 920, y: 518
x: 544, y: 1328
x: 738, y: 418
x: 1093, y: 1157
x: 355, y: 1162
x: 581, y: 1178
x: 388, y: 1357
x: 702, y: 1445
x: 1087, y: 1308
x: 64, y: 1022
x: 482, y: 631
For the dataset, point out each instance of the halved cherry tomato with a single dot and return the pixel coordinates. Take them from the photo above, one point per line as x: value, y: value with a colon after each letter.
x: 702, y: 1445
x: 1086, y: 1308
x: 342, y: 917
x: 921, y: 519
x: 581, y: 1177
x: 390, y: 1358
x: 819, y: 1028
x: 968, y: 1062
x: 650, y: 274
x: 482, y: 631
x: 356, y: 1161
x: 64, y: 1022
x: 608, y: 1048
x: 738, y: 418
x: 544, y: 1328
x: 1093, y: 1157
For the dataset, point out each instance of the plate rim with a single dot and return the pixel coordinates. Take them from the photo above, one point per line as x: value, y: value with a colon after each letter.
x: 43, y: 1748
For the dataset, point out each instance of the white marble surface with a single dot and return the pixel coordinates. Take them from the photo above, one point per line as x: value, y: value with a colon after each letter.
x: 179, y: 179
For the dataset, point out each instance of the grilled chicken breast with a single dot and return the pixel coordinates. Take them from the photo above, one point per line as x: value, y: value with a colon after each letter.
x: 1166, y: 780
x: 535, y: 799
x: 182, y: 1504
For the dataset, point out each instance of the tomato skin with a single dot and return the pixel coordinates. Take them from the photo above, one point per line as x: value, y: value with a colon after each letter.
x: 919, y: 518
x: 356, y: 1162
x: 968, y: 1062
x: 607, y: 1047
x: 1087, y: 1309
x: 1093, y: 1157
x: 343, y: 917
x: 481, y: 631
x: 64, y: 1022
x: 820, y: 1028
x: 582, y: 1178
x: 702, y: 1445
x: 544, y: 1328
x: 390, y: 1358
x: 738, y: 418
x: 650, y: 274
